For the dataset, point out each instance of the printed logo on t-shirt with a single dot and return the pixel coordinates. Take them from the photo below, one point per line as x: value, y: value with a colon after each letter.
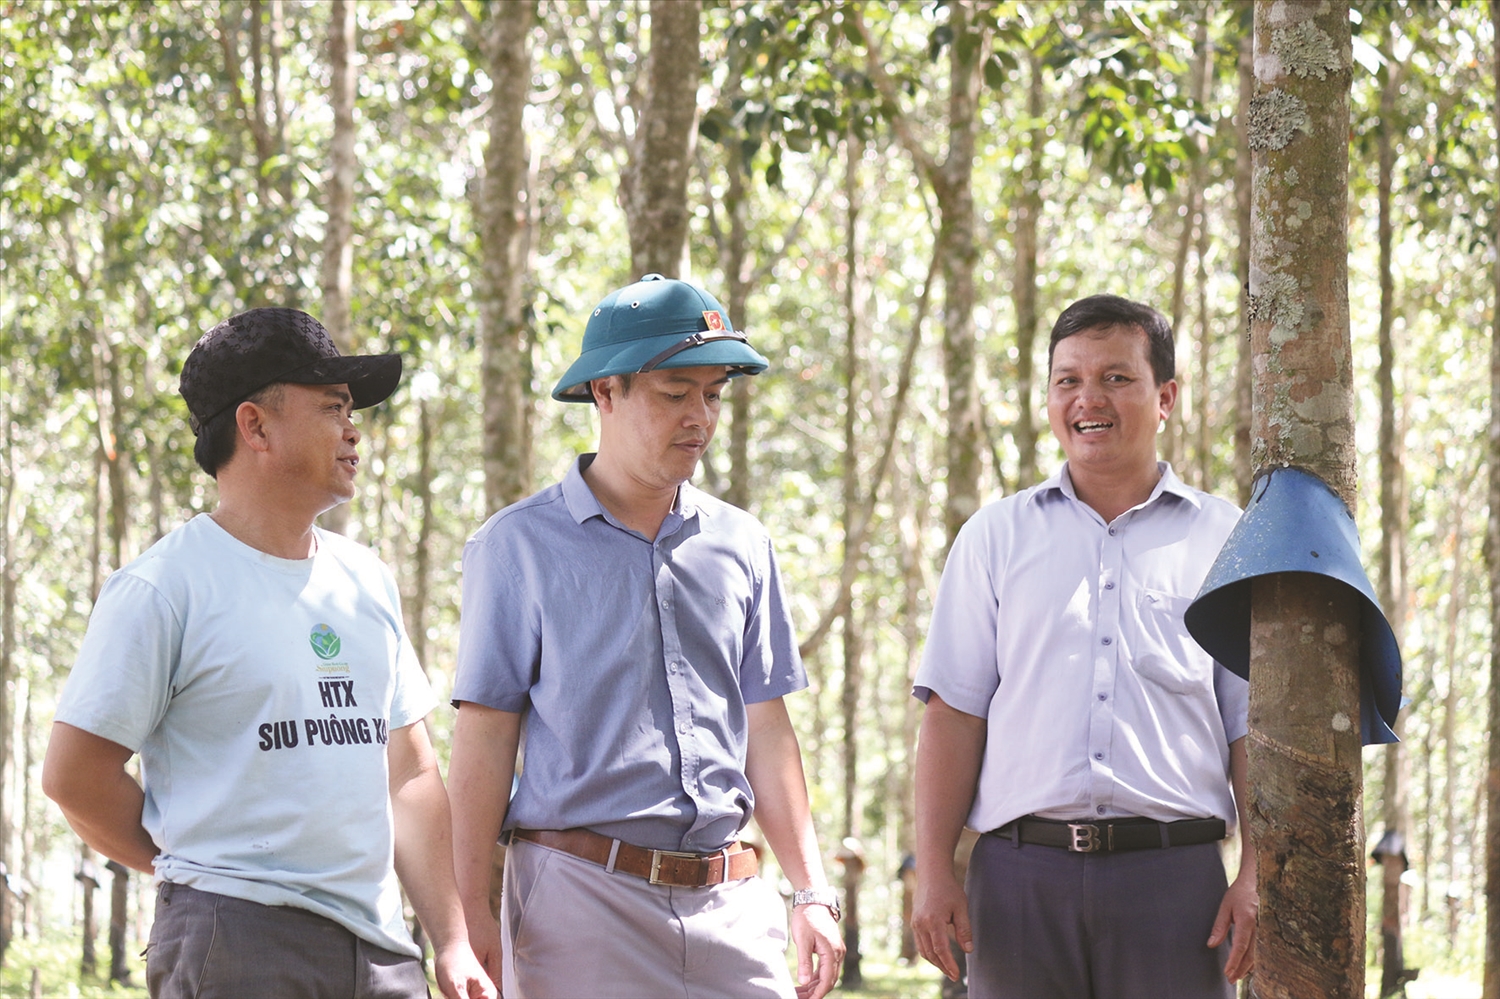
x: 324, y: 641
x: 335, y: 691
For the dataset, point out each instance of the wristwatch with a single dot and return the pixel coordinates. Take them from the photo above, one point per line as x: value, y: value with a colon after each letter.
x: 818, y: 896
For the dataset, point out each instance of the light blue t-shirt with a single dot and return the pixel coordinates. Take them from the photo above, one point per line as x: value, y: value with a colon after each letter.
x: 632, y: 661
x: 260, y: 693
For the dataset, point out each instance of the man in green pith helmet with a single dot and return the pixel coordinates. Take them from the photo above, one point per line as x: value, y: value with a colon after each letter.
x: 260, y: 667
x: 636, y: 630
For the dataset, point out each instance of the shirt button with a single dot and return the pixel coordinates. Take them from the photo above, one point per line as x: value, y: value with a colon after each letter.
x: 666, y: 604
x: 1100, y: 809
x: 1103, y: 696
x: 1111, y: 532
x: 1109, y: 586
x: 683, y: 728
x: 1098, y: 756
x: 671, y: 667
x: 1105, y: 641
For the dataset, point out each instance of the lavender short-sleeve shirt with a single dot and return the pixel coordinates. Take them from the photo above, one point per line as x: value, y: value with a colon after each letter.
x: 1066, y: 634
x: 631, y: 660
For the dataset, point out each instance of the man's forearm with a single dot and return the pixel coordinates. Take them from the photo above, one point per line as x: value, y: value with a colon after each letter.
x: 950, y: 750
x: 424, y: 851
x: 86, y: 776
x: 773, y: 767
x: 480, y: 774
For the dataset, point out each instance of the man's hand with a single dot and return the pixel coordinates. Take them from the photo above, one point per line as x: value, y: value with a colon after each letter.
x: 814, y: 933
x: 460, y: 976
x: 1239, y: 910
x: 484, y: 938
x: 940, y: 913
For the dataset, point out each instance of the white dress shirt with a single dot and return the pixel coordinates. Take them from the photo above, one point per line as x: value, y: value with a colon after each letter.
x: 1066, y: 634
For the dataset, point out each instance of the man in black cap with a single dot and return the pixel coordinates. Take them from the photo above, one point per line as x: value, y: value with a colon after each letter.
x: 260, y: 667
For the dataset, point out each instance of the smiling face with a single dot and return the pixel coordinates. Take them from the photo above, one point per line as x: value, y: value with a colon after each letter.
x: 313, y: 438
x: 658, y: 429
x: 1104, y: 403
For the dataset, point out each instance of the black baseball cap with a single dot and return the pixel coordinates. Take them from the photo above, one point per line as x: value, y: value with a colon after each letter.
x: 247, y: 352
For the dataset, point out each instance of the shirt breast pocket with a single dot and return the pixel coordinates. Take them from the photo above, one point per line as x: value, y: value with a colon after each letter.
x: 1165, y: 655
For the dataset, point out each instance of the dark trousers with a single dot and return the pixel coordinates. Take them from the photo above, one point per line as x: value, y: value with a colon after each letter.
x: 209, y: 946
x: 1050, y: 923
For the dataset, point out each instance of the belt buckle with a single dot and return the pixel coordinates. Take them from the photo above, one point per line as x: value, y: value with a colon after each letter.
x: 656, y: 857
x: 1085, y: 838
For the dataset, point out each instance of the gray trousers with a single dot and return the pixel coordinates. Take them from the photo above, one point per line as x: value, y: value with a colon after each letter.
x: 573, y: 929
x: 209, y: 946
x: 1050, y: 923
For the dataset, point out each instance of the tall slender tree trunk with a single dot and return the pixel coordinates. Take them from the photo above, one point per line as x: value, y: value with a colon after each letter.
x: 736, y: 265
x: 119, y: 899
x: 853, y: 643
x: 505, y: 235
x: 88, y: 881
x: 653, y: 185
x: 1028, y: 211
x: 953, y: 183
x: 7, y: 651
x: 1243, y: 469
x: 337, y: 272
x: 1391, y: 565
x: 422, y: 557
x: 1492, y: 554
x: 913, y: 581
x: 1450, y: 715
x: 1304, y: 743
x: 1201, y: 79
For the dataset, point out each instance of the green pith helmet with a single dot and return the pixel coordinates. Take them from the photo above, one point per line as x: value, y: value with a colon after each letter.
x: 655, y: 323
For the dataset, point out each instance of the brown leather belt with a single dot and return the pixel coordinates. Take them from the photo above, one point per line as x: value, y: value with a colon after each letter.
x: 660, y: 867
x: 1113, y: 835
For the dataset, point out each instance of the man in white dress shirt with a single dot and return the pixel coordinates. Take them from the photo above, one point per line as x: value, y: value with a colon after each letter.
x: 1072, y: 720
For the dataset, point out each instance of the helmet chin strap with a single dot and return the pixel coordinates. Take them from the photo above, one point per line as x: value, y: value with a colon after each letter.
x: 693, y: 340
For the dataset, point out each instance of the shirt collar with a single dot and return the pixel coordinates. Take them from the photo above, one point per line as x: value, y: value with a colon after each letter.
x: 583, y: 504
x: 1167, y: 482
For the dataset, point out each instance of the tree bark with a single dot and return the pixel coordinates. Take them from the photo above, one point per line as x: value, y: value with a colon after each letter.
x: 736, y: 265
x: 119, y: 897
x: 7, y: 653
x: 653, y: 184
x: 1492, y: 553
x: 1024, y: 284
x: 1391, y: 564
x: 1304, y: 744
x: 505, y: 231
x: 953, y: 184
x: 337, y: 272
x: 1243, y: 469
x: 87, y: 877
x: 422, y: 557
x: 852, y: 644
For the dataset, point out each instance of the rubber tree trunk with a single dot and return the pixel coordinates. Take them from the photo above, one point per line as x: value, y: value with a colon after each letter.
x: 653, y: 185
x: 1028, y: 210
x: 119, y: 899
x: 1492, y: 553
x: 1304, y: 744
x: 1391, y: 563
x: 504, y: 235
x: 1243, y: 469
x: 337, y: 274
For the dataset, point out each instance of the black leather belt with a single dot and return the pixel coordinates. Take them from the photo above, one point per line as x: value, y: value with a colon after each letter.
x: 1112, y: 835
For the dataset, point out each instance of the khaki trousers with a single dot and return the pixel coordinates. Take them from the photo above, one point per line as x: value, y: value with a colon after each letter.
x: 571, y: 928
